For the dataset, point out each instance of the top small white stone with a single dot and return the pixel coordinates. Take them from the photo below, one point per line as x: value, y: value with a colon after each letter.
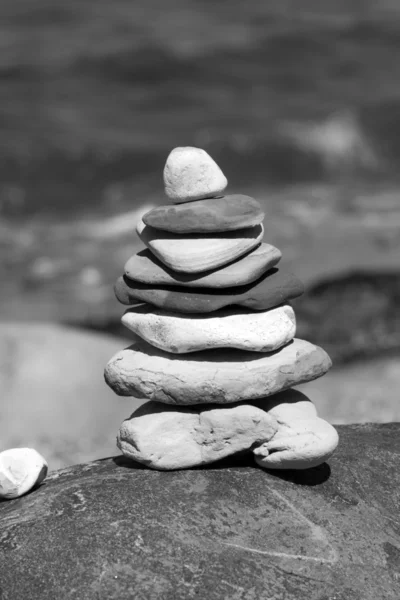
x: 191, y: 174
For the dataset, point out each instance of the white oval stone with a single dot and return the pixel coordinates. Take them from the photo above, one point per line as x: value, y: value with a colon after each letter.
x: 261, y: 331
x: 196, y: 252
x: 166, y: 437
x: 20, y: 470
x: 191, y: 174
x: 302, y: 441
x: 218, y: 376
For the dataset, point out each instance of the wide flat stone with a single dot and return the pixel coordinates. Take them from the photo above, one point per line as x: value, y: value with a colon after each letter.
x: 283, y: 431
x: 191, y: 174
x: 146, y: 268
x: 113, y: 529
x: 261, y: 331
x: 212, y: 376
x: 195, y: 253
x: 167, y: 437
x: 273, y: 288
x: 226, y: 213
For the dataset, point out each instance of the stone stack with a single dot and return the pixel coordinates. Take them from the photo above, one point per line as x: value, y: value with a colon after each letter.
x: 214, y: 351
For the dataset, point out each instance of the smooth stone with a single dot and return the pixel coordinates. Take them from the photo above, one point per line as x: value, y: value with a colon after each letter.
x: 195, y: 253
x: 302, y: 440
x: 212, y: 376
x: 273, y: 288
x: 21, y: 469
x: 283, y: 431
x: 113, y: 529
x: 263, y: 331
x: 166, y: 437
x: 146, y: 268
x: 227, y: 213
x: 191, y: 174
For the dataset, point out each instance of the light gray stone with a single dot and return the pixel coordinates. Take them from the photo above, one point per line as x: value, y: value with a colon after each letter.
x: 191, y: 174
x: 146, y: 268
x: 258, y: 331
x: 165, y: 437
x: 217, y: 376
x: 20, y: 470
x: 302, y: 441
x: 195, y: 253
x: 283, y: 431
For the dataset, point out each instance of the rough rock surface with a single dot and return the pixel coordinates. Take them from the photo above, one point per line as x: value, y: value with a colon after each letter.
x: 146, y: 268
x: 283, y: 432
x: 113, y: 529
x: 226, y: 213
x: 20, y: 470
x: 191, y: 174
x: 275, y: 287
x: 261, y: 331
x: 195, y: 253
x: 212, y: 376
x: 166, y: 437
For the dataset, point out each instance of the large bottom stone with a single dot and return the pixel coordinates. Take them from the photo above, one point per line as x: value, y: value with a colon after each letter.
x: 261, y: 331
x: 283, y: 431
x: 214, y: 376
x: 112, y: 529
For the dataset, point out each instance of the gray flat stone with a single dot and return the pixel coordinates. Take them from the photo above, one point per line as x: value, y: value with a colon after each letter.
x: 113, y: 529
x: 146, y: 268
x: 233, y: 327
x: 218, y: 376
x: 226, y: 213
x: 273, y: 288
x: 199, y: 252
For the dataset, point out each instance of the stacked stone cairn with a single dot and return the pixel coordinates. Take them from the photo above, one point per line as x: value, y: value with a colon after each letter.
x: 214, y: 350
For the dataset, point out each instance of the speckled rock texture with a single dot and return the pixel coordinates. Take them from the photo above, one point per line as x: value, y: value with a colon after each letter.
x: 226, y: 213
x: 166, y: 437
x: 146, y: 268
x: 261, y: 331
x: 275, y: 287
x: 283, y: 432
x: 217, y: 376
x: 199, y: 252
x: 114, y: 530
x: 21, y: 469
x: 191, y: 174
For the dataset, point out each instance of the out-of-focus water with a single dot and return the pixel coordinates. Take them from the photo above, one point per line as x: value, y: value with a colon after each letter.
x: 93, y: 95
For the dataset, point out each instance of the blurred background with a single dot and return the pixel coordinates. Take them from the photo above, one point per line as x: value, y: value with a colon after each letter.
x: 298, y: 102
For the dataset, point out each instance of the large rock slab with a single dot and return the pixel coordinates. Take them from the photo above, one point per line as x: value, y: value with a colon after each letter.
x: 261, y: 331
x: 195, y: 253
x: 191, y: 174
x: 282, y: 431
x: 146, y: 268
x: 113, y: 529
x: 226, y: 213
x: 212, y: 376
x: 273, y: 288
x: 165, y: 437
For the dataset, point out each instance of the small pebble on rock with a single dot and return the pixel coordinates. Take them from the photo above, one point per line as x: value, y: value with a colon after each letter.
x: 20, y: 470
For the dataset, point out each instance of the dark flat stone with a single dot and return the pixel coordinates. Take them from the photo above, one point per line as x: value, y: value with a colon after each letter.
x: 273, y: 288
x: 226, y: 213
x: 146, y: 268
x: 114, y: 530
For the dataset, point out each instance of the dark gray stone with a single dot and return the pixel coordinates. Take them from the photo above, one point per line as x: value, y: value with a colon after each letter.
x: 111, y: 529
